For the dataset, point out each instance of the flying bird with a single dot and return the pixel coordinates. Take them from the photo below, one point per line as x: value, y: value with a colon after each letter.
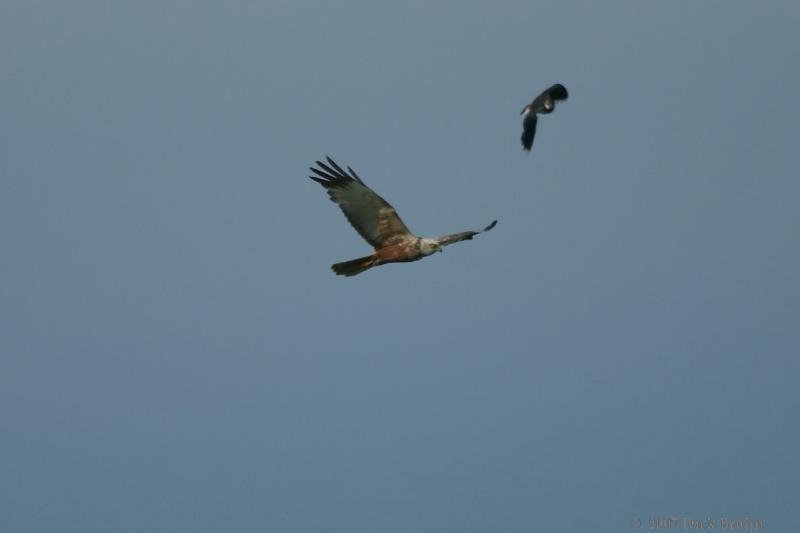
x: 542, y: 104
x: 377, y: 222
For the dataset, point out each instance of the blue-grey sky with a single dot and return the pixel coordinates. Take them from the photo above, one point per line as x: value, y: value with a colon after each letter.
x: 177, y: 356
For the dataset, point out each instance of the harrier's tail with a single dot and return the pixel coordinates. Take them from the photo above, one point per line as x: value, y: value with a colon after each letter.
x: 355, y: 266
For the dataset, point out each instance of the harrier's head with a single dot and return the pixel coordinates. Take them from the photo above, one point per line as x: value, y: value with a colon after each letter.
x: 428, y: 246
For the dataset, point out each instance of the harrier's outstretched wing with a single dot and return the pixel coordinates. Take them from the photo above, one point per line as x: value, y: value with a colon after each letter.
x: 444, y: 240
x: 372, y: 216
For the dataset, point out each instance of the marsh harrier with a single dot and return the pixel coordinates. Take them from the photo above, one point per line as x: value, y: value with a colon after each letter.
x: 542, y: 104
x: 377, y: 222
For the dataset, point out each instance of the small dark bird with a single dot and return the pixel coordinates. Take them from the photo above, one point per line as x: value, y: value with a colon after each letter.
x: 542, y: 104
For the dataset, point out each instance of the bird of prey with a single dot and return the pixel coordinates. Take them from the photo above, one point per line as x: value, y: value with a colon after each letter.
x: 377, y: 222
x: 542, y: 104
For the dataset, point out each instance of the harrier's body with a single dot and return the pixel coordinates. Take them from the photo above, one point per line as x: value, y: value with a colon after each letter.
x: 543, y: 104
x: 404, y: 252
x: 377, y: 222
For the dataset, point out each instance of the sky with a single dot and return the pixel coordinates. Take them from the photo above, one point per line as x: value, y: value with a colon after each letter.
x: 177, y: 356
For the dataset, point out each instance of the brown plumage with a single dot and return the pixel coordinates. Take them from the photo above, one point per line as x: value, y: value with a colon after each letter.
x: 377, y: 222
